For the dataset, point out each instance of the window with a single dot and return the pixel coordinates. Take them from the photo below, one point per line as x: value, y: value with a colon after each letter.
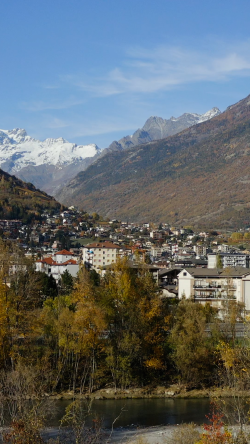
x: 184, y: 273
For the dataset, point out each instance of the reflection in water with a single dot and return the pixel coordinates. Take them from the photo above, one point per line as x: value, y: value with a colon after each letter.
x: 142, y: 412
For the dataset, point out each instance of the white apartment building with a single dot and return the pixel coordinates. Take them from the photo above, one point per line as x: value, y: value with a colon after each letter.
x: 214, y: 286
x: 99, y: 254
x: 228, y: 260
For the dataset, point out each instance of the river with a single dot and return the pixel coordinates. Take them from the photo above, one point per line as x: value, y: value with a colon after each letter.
x: 143, y: 412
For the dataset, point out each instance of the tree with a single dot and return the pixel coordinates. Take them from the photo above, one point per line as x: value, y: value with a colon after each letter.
x: 219, y: 263
x: 193, y: 352
x: 137, y: 324
x: 67, y: 282
x: 236, y: 236
x: 48, y: 285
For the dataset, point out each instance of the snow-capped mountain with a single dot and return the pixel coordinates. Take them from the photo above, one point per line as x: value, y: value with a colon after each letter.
x: 52, y: 163
x: 157, y: 128
x: 16, y: 145
x: 27, y: 158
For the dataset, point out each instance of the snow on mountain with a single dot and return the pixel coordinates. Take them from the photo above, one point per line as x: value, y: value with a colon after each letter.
x: 208, y: 115
x: 156, y: 128
x: 22, y: 150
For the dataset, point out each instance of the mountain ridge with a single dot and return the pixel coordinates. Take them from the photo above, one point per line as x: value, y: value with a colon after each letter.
x: 177, y: 179
x: 51, y: 163
x: 156, y: 128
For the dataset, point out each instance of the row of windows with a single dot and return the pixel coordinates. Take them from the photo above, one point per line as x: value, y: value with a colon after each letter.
x: 99, y: 260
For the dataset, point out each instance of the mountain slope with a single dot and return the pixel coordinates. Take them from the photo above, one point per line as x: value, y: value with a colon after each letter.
x: 200, y: 176
x: 157, y: 128
x: 47, y: 164
x: 20, y: 200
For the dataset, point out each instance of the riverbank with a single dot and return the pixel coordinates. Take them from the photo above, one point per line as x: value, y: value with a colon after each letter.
x: 148, y: 392
x: 149, y: 435
x: 128, y: 435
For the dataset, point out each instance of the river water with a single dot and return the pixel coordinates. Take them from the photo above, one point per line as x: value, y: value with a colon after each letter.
x: 142, y: 412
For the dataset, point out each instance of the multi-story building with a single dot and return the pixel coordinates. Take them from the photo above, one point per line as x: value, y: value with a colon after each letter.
x: 99, y: 254
x: 200, y: 250
x: 215, y: 285
x: 228, y: 260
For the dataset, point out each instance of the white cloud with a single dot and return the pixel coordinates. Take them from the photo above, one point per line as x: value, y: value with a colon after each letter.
x: 165, y: 67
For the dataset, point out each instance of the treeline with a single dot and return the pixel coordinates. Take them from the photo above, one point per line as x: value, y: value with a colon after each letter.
x: 117, y: 330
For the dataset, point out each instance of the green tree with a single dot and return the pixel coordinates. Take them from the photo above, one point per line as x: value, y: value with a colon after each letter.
x: 67, y: 282
x: 193, y: 351
x: 219, y: 263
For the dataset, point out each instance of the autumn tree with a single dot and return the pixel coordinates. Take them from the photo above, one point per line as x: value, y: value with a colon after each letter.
x: 193, y: 351
x: 137, y: 324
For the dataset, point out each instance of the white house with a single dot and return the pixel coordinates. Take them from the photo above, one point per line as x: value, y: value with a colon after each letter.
x: 58, y: 263
x: 214, y: 285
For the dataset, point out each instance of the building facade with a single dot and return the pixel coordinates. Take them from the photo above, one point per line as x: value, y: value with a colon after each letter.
x: 100, y: 254
x: 215, y: 286
x: 58, y: 263
x: 228, y: 260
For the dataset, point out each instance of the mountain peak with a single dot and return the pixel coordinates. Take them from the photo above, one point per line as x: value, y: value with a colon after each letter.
x: 43, y: 163
x: 185, y: 179
x: 156, y: 128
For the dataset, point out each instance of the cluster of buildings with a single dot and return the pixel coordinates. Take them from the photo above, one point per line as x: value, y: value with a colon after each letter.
x: 204, y: 266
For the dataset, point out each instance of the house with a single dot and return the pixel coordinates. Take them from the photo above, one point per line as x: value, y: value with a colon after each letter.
x: 215, y: 285
x: 58, y: 263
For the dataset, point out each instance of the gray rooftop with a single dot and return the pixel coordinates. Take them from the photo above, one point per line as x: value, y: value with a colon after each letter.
x: 217, y: 272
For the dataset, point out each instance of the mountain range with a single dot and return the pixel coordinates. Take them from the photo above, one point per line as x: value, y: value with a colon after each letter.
x: 46, y: 164
x: 200, y: 176
x: 51, y: 163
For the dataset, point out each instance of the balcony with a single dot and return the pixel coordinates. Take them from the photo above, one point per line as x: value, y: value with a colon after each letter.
x: 212, y: 295
x: 207, y: 286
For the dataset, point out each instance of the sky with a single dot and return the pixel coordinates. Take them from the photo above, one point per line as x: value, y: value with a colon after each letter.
x: 94, y: 71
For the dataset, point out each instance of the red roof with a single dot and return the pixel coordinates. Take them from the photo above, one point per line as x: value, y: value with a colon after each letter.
x: 65, y: 253
x: 48, y: 260
x: 70, y: 262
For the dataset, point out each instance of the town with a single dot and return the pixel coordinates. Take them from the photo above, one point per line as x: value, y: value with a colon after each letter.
x: 207, y: 266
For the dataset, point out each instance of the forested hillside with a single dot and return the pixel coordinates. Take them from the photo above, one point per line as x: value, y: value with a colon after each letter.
x: 21, y: 200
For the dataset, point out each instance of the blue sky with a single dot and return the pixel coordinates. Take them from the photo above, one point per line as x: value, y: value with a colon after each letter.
x: 94, y: 71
